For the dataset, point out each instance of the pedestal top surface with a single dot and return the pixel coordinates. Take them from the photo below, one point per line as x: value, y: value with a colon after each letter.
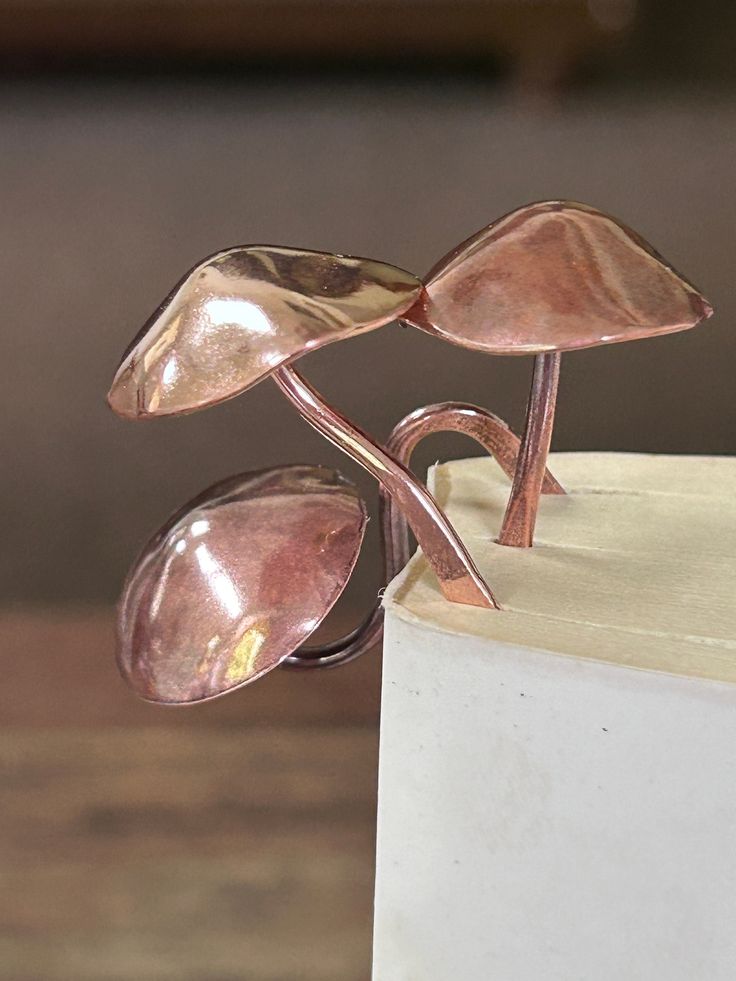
x: 635, y: 565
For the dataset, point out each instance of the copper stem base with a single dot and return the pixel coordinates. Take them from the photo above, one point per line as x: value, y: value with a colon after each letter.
x: 482, y: 426
x: 521, y: 512
x: 458, y: 577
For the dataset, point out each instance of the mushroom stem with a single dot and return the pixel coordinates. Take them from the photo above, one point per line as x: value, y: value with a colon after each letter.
x: 481, y: 425
x: 521, y: 511
x: 458, y: 577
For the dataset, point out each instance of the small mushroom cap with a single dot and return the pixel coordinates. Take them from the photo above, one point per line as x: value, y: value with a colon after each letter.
x: 554, y: 276
x: 240, y: 314
x: 236, y: 581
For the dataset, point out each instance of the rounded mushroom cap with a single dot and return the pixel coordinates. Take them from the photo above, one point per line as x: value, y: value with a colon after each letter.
x: 554, y: 276
x: 236, y: 581
x: 241, y: 314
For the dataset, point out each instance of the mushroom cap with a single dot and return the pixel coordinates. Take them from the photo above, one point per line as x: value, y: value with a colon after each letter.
x: 554, y: 276
x: 236, y: 581
x: 240, y: 314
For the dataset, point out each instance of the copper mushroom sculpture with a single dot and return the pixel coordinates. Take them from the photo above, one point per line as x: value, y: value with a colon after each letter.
x: 247, y: 313
x: 551, y: 277
x: 236, y: 581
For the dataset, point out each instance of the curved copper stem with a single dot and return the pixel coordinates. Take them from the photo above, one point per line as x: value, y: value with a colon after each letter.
x: 481, y: 425
x: 458, y: 577
x: 521, y: 511
x: 359, y: 641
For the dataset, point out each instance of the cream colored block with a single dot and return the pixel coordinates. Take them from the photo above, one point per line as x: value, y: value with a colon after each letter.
x: 557, y: 795
x: 641, y: 548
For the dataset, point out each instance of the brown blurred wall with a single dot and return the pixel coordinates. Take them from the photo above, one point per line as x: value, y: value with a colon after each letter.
x: 110, y: 191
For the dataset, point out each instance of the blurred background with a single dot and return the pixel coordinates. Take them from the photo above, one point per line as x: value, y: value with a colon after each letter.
x: 236, y: 840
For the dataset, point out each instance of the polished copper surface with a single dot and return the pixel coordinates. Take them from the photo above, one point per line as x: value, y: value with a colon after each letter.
x: 517, y: 528
x: 245, y: 314
x: 485, y: 427
x: 236, y: 581
x: 241, y: 313
x: 549, y: 277
x: 365, y: 637
x: 554, y: 276
x: 459, y: 578
x: 479, y: 424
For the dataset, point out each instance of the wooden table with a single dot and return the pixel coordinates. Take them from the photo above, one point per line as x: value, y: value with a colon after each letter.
x: 230, y: 841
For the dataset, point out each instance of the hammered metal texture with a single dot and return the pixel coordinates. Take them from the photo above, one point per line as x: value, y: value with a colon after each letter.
x: 236, y: 581
x: 554, y: 276
x: 241, y: 313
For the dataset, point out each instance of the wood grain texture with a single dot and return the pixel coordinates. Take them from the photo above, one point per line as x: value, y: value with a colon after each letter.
x: 141, y: 844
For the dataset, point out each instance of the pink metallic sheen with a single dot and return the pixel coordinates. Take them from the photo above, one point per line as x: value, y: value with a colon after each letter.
x: 236, y: 581
x: 243, y: 315
x: 240, y: 314
x: 554, y: 276
x: 479, y: 424
x: 520, y: 518
x: 458, y: 576
x: 550, y: 277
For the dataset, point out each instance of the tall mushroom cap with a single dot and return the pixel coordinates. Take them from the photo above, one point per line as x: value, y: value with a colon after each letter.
x: 236, y: 581
x: 554, y: 276
x: 242, y: 313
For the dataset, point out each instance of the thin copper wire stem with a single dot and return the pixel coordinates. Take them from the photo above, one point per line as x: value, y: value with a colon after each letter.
x: 359, y: 641
x: 481, y: 425
x: 456, y: 572
x: 471, y: 420
x: 521, y: 512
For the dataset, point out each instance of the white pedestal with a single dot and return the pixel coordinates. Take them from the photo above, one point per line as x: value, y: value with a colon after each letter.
x: 557, y: 796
